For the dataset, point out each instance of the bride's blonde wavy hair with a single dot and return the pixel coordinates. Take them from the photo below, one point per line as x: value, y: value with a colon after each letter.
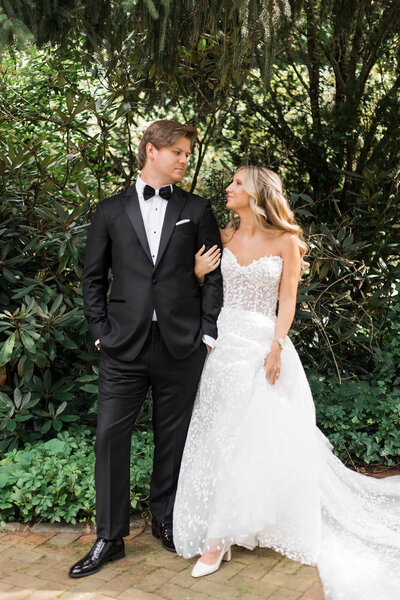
x: 271, y: 210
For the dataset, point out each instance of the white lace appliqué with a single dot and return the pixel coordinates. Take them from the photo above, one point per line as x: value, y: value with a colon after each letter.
x: 252, y: 287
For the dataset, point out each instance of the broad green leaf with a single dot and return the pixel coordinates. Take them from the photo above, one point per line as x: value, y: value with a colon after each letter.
x: 56, y: 304
x: 63, y: 263
x: 80, y: 106
x: 57, y: 424
x: 23, y: 417
x: 28, y: 342
x: 21, y: 364
x: 70, y: 102
x: 47, y: 380
x: 25, y: 400
x: 4, y: 478
x: 6, y: 350
x: 41, y: 359
x: 90, y: 388
x: 9, y: 275
x: 86, y: 378
x: 17, y: 397
x: 6, y: 400
x: 306, y: 198
x: 61, y: 408
x: 55, y: 446
x: 11, y: 425
x: 23, y: 292
x: 70, y: 344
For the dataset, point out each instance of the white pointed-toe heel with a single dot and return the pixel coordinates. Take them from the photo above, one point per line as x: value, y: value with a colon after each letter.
x: 200, y: 568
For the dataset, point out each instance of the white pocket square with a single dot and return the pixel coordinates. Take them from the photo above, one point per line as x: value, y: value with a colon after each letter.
x: 183, y: 221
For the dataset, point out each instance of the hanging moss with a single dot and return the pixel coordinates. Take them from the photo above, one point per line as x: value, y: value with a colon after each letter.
x: 249, y: 25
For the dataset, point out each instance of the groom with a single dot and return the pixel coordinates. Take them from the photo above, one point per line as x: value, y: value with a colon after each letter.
x: 154, y: 330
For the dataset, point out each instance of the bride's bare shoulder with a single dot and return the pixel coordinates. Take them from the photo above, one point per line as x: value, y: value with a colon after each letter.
x: 288, y: 241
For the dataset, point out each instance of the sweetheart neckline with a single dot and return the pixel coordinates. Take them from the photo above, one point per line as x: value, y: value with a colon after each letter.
x: 255, y: 260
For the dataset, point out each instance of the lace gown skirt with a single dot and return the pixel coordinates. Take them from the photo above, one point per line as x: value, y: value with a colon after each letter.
x: 257, y: 471
x: 249, y: 472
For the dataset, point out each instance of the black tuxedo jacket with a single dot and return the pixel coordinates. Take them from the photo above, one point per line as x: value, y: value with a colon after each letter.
x: 117, y: 240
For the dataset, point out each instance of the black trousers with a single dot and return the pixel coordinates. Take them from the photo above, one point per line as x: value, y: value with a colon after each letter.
x: 122, y: 390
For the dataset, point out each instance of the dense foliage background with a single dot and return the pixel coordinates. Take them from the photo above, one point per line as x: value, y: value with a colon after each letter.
x: 314, y: 96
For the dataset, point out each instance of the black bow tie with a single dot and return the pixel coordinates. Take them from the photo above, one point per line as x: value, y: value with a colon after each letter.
x: 164, y: 192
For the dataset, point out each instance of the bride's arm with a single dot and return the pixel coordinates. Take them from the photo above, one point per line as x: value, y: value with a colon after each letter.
x: 287, y: 302
x: 288, y: 287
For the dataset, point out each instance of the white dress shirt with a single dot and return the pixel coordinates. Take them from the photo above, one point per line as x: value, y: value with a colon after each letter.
x: 153, y: 213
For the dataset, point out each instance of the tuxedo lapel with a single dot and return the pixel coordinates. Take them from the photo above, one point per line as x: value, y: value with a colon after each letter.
x: 174, y: 209
x: 132, y: 207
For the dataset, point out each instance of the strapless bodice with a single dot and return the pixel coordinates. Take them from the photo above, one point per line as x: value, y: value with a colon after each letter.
x: 253, y: 287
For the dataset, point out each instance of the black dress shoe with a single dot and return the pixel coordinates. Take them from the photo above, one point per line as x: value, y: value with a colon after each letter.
x: 163, y: 531
x: 101, y: 552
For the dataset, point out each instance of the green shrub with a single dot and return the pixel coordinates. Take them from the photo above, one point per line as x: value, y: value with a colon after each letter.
x: 362, y: 418
x: 54, y: 480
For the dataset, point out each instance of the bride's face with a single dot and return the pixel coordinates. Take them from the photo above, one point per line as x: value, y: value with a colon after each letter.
x: 237, y: 196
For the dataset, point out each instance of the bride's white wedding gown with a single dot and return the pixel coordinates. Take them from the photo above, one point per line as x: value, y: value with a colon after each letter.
x: 256, y: 470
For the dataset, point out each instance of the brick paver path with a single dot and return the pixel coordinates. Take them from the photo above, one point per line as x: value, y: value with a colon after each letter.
x: 34, y: 566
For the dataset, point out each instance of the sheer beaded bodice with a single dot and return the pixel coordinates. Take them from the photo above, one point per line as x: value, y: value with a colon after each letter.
x: 253, y: 287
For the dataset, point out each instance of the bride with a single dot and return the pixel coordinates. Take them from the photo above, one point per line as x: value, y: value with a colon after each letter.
x: 256, y: 470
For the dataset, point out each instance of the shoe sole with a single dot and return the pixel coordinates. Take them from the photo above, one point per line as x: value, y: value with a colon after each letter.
x: 158, y: 536
x: 112, y: 559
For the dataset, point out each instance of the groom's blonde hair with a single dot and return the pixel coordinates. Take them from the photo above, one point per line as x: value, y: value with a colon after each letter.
x: 163, y: 133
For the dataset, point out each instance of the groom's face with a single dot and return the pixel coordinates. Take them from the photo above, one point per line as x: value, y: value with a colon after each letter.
x: 170, y: 162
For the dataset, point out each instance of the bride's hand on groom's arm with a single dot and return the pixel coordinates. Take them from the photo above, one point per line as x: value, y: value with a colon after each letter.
x: 205, y: 262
